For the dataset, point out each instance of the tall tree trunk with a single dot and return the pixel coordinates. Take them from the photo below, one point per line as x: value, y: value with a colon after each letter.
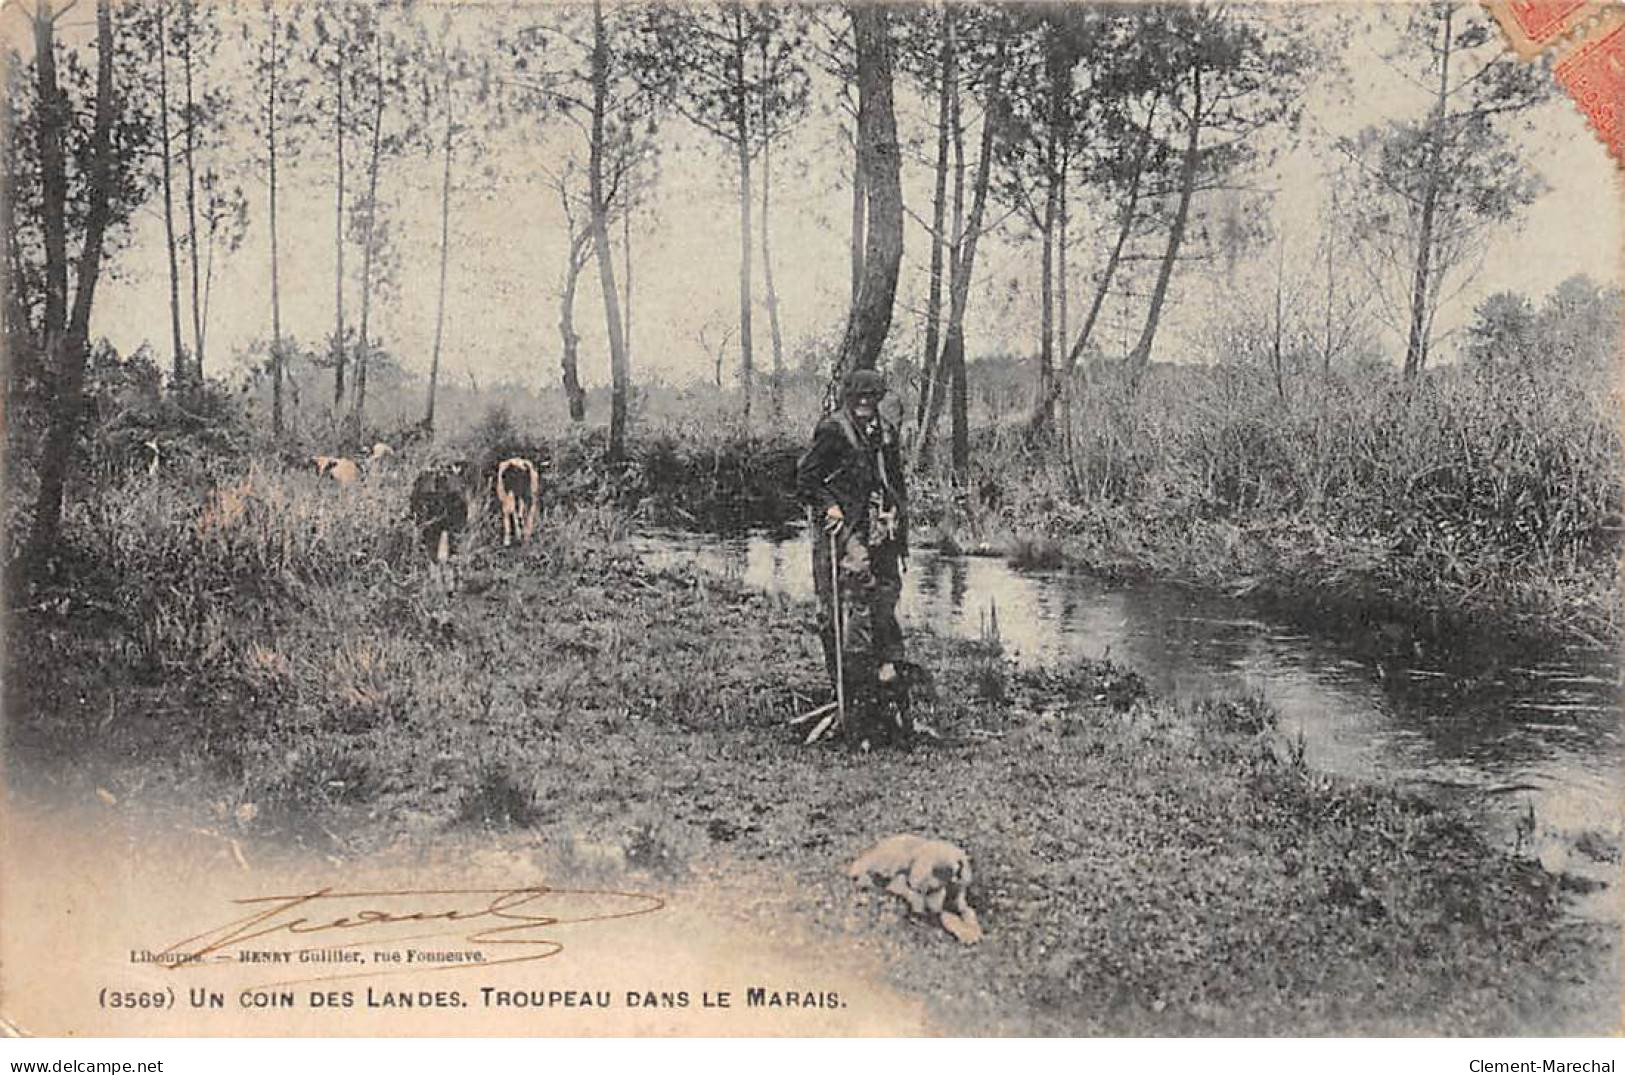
x: 1416, y: 346
x: 17, y: 321
x: 956, y: 244
x: 1103, y: 288
x: 1060, y: 87
x: 1047, y: 383
x: 573, y: 393
x: 445, y: 249
x: 947, y: 87
x: 964, y: 265
x: 187, y: 45
x: 276, y: 276
x: 1276, y: 358
x: 339, y: 355
x: 1140, y: 357
x: 858, y: 218
x: 364, y: 345
x: 52, y: 133
x: 600, y: 239
x: 1331, y: 283
x: 626, y: 256
x: 69, y: 358
x: 1062, y: 289
x: 741, y: 103
x: 870, y: 320
x: 181, y: 377
x: 770, y: 292
x: 775, y: 329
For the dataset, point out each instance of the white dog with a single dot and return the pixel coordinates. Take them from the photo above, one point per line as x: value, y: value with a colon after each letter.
x: 933, y: 876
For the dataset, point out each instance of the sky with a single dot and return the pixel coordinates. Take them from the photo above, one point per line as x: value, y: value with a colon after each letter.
x: 508, y: 246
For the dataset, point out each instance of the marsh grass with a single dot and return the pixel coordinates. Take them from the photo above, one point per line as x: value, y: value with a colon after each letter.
x: 629, y: 723
x: 1473, y: 492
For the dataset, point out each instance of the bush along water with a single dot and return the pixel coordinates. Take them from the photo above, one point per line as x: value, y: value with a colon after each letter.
x: 1473, y: 493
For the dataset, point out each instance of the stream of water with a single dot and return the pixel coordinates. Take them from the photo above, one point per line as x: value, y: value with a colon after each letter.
x: 1514, y: 738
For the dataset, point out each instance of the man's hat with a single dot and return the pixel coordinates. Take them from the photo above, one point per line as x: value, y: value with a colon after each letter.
x: 863, y: 383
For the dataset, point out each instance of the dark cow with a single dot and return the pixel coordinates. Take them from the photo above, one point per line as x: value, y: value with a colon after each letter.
x: 440, y: 506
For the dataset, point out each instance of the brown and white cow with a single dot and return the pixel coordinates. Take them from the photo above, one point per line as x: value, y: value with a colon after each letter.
x: 519, y: 492
x: 344, y: 471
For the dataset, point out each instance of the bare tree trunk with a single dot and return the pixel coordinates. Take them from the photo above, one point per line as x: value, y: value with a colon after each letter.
x: 1059, y: 76
x: 770, y: 292
x: 858, y: 219
x: 953, y: 348
x: 1062, y: 290
x: 1331, y: 234
x: 1140, y: 357
x: 1047, y: 383
x: 960, y: 455
x: 445, y: 249
x: 747, y: 372
x: 180, y: 375
x: 52, y: 132
x: 573, y: 393
x: 69, y: 358
x: 364, y: 345
x: 1103, y: 289
x: 1280, y: 314
x: 870, y: 320
x: 191, y: 188
x: 956, y: 243
x: 276, y: 292
x: 338, y: 235
x: 947, y: 88
x: 600, y: 238
x: 17, y: 322
x: 626, y: 255
x: 776, y: 331
x: 1416, y: 346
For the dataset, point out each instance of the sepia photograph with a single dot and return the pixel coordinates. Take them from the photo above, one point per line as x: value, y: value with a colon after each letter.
x: 745, y: 519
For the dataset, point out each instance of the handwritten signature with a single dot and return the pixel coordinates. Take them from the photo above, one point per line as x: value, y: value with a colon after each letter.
x: 507, y: 919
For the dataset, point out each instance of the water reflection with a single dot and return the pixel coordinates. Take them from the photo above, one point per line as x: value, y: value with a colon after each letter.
x: 1504, y: 735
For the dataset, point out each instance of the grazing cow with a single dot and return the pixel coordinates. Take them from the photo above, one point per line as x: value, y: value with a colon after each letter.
x: 344, y: 471
x: 519, y: 491
x: 930, y: 875
x: 379, y: 452
x: 440, y: 507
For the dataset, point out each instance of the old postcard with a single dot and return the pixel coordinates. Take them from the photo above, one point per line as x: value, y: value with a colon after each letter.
x: 812, y: 520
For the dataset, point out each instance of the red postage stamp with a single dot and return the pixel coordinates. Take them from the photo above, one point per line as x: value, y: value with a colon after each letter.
x: 1532, y: 26
x: 1594, y: 74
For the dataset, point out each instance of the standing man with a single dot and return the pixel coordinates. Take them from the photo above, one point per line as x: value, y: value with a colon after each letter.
x: 851, y: 480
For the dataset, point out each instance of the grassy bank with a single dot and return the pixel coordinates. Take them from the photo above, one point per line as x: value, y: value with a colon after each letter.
x: 1140, y: 870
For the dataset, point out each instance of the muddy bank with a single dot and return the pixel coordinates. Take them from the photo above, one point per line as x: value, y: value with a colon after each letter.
x: 1141, y: 868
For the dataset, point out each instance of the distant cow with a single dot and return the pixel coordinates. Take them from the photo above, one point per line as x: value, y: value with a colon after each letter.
x: 440, y: 506
x: 519, y: 491
x: 344, y: 471
x: 379, y: 452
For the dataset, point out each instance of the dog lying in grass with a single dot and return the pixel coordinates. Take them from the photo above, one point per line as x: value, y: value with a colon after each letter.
x: 932, y: 876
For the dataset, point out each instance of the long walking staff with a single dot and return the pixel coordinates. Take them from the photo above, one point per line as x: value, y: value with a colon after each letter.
x: 838, y: 717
